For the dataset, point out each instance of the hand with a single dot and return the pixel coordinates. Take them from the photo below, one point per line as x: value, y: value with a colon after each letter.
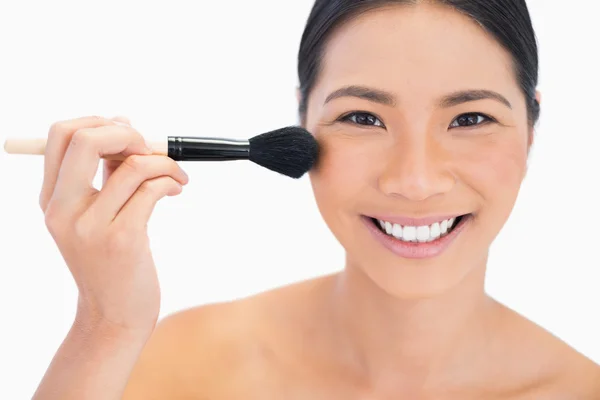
x: 102, y: 234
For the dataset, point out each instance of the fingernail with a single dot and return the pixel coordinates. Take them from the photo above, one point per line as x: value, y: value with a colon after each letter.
x: 124, y: 121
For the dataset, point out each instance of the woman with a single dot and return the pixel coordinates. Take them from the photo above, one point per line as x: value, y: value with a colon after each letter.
x: 425, y: 114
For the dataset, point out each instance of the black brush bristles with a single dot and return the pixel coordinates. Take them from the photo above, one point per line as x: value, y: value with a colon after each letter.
x: 290, y: 151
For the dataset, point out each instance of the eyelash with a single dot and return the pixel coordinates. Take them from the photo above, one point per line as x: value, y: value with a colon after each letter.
x: 348, y: 118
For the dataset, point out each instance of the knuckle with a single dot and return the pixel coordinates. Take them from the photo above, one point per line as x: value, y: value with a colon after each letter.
x: 150, y: 187
x: 133, y: 135
x: 42, y: 201
x: 83, y: 231
x: 159, y: 187
x: 119, y: 240
x: 80, y: 136
x: 135, y: 162
x: 173, y: 168
x: 54, y: 220
x: 171, y: 187
x: 57, y: 129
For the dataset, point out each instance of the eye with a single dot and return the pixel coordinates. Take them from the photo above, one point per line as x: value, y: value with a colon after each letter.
x: 362, y: 118
x: 471, y: 119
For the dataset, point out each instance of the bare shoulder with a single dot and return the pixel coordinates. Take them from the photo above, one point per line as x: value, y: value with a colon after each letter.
x: 183, y: 353
x: 551, y: 367
x: 579, y: 376
x: 213, y: 350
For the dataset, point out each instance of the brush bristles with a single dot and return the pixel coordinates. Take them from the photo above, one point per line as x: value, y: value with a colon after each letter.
x: 290, y: 151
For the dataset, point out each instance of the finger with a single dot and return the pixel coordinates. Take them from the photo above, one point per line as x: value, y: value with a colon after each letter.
x: 128, y: 177
x: 122, y: 119
x: 109, y: 166
x: 59, y: 137
x: 87, y: 146
x: 139, y: 207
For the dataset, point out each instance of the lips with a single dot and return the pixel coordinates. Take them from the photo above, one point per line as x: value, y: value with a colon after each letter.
x: 415, y: 248
x: 418, y: 233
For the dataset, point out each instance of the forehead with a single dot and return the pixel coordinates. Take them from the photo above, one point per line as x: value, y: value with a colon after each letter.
x: 425, y: 50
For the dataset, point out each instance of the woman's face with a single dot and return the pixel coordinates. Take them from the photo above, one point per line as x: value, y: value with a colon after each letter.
x: 398, y: 147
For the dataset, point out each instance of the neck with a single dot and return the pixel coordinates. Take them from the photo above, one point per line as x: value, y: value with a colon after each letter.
x: 419, y: 339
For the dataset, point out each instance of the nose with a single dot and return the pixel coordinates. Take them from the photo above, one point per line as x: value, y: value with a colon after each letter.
x: 416, y: 170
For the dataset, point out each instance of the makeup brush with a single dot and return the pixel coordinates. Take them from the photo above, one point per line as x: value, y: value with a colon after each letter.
x: 291, y: 151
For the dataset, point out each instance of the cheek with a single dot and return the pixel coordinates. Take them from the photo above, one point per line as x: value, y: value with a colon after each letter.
x: 344, y: 171
x: 495, y: 166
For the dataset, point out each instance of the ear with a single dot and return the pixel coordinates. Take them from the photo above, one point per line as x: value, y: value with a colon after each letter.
x: 301, y: 120
x: 538, y: 97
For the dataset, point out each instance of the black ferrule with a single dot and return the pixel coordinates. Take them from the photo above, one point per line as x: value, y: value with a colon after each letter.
x: 207, y: 149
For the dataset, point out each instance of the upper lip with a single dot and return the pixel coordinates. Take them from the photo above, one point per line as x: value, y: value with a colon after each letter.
x: 413, y: 221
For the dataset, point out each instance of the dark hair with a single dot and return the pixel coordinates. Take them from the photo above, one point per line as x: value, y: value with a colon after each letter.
x: 507, y: 20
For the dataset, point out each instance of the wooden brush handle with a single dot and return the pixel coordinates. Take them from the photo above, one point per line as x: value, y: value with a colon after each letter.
x: 38, y: 147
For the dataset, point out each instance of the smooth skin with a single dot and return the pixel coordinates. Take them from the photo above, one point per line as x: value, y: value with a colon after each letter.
x: 384, y: 327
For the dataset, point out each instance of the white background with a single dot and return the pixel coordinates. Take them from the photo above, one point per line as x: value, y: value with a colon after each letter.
x: 228, y: 68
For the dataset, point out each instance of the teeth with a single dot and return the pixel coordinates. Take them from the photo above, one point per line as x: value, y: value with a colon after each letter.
x: 397, y: 231
x: 444, y: 227
x: 409, y: 233
x: 388, y: 228
x: 435, y: 231
x: 421, y: 234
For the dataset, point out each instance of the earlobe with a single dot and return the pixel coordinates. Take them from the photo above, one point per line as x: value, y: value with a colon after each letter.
x: 538, y: 96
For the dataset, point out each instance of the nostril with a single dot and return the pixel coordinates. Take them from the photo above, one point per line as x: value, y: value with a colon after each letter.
x: 415, y: 185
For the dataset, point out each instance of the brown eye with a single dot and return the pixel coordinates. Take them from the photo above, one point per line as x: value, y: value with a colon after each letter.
x: 363, y: 118
x: 470, y: 119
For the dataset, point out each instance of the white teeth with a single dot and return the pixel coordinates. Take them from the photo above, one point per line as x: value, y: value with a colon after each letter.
x: 435, y: 231
x: 388, y: 228
x: 409, y: 233
x: 444, y: 227
x: 397, y: 231
x: 421, y: 234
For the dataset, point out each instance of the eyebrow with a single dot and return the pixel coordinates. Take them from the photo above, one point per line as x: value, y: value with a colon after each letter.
x: 388, y: 99
x: 363, y: 92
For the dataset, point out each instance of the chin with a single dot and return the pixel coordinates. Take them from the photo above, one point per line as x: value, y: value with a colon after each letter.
x: 412, y: 280
x: 418, y: 270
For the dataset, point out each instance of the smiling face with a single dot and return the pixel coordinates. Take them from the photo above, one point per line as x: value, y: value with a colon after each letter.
x: 402, y: 145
